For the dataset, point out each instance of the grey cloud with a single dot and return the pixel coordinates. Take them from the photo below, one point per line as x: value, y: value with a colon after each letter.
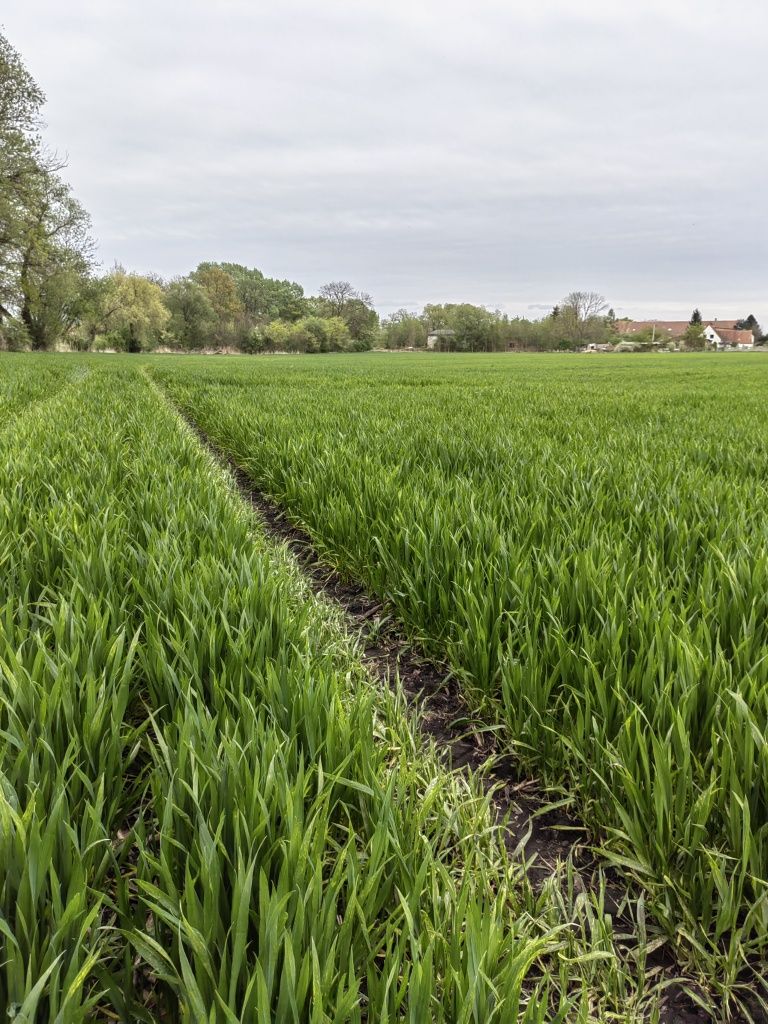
x: 427, y: 151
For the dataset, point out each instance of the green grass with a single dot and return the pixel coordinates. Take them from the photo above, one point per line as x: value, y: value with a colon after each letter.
x: 586, y: 542
x: 20, y: 388
x: 207, y: 811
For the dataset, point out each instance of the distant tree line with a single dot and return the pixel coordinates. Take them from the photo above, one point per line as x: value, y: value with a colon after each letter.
x: 578, y: 320
x: 220, y: 306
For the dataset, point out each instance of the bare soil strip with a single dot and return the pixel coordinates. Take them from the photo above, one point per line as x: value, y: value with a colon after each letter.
x: 532, y: 828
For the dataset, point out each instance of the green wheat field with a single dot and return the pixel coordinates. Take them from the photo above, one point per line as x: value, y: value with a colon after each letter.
x: 209, y: 812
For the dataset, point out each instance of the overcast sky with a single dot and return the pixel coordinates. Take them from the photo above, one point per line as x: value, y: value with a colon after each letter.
x: 502, y: 153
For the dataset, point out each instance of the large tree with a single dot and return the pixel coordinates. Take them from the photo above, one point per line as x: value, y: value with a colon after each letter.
x: 193, y: 318
x: 266, y: 299
x: 20, y: 103
x: 54, y: 297
x: 693, y: 338
x: 221, y: 289
x: 402, y: 329
x: 45, y: 246
x: 21, y: 98
x: 336, y: 294
x: 477, y: 328
x: 355, y: 308
x: 129, y: 311
x: 53, y: 257
x: 749, y: 323
x: 581, y: 317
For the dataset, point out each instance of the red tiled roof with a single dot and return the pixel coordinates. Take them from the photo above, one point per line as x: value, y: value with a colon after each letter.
x: 732, y: 337
x: 673, y: 328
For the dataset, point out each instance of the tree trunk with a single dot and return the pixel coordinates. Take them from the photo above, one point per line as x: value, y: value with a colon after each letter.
x: 35, y: 328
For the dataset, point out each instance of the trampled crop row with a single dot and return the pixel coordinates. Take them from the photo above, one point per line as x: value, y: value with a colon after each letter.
x: 587, y: 544
x: 206, y: 811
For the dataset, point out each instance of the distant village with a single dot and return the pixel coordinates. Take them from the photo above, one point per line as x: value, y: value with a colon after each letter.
x: 578, y: 324
x: 673, y: 335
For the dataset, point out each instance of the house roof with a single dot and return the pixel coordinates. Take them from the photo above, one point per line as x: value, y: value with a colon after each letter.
x: 731, y: 337
x: 443, y: 332
x: 674, y: 328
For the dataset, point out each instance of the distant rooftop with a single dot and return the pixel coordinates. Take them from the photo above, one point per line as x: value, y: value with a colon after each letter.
x: 733, y: 337
x: 672, y: 327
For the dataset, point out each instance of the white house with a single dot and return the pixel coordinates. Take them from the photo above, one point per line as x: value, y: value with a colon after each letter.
x: 728, y: 339
x: 440, y: 339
